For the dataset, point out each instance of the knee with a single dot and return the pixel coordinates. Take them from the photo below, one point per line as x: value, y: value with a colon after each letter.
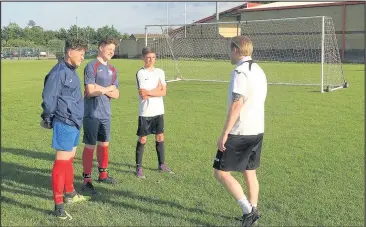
x: 143, y: 139
x: 103, y: 144
x: 220, y: 175
x: 159, y: 137
x: 250, y: 175
x: 88, y: 146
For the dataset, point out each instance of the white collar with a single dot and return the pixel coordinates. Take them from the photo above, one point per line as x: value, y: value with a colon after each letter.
x: 244, y: 59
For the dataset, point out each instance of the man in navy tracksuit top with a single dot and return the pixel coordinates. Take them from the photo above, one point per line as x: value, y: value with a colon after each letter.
x: 63, y: 110
x: 101, y: 85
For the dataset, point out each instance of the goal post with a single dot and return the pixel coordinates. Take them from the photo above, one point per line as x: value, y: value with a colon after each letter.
x: 292, y: 51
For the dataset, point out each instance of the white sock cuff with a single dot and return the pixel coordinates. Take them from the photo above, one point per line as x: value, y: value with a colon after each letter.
x: 245, y: 205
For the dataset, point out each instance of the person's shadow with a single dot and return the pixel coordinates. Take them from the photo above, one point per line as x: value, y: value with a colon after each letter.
x: 22, y: 180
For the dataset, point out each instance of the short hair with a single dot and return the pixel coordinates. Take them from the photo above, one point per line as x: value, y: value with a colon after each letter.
x: 107, y: 41
x: 147, y: 50
x: 75, y: 44
x: 243, y: 44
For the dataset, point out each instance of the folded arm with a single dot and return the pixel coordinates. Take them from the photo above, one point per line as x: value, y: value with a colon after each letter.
x: 93, y: 90
x: 159, y: 91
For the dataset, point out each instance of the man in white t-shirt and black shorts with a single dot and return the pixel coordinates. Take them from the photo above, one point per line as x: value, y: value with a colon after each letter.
x: 240, y: 144
x: 151, y: 85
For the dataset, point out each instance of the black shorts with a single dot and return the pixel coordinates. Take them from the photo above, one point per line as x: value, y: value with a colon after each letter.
x: 96, y: 130
x: 242, y: 153
x: 150, y: 125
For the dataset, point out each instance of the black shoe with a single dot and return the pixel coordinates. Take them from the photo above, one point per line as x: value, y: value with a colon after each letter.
x: 107, y: 180
x: 249, y: 219
x: 61, y: 213
x: 88, y: 187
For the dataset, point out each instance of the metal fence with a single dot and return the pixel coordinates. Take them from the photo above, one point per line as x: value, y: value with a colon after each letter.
x: 38, y: 53
x: 30, y: 53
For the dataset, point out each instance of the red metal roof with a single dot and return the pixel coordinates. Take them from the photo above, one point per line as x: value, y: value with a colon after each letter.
x: 310, y: 5
x: 245, y: 5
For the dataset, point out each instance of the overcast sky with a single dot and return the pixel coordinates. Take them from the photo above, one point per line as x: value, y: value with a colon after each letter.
x: 130, y: 17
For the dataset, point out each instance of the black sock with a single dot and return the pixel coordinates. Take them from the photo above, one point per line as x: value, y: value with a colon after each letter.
x: 139, y: 152
x: 160, y: 151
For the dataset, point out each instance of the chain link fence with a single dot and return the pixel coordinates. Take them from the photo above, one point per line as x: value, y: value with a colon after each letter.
x: 19, y: 53
x: 30, y: 53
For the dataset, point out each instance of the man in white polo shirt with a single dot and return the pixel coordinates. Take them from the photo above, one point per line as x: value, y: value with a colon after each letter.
x: 240, y: 144
x: 152, y: 87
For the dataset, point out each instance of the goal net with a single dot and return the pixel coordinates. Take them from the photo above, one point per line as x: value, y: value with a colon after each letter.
x: 291, y: 51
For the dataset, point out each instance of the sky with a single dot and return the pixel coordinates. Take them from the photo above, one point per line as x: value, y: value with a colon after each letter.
x: 126, y: 17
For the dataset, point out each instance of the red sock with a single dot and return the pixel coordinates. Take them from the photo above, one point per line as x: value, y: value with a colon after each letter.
x: 69, y: 177
x: 102, y: 156
x: 58, y: 180
x: 88, y: 154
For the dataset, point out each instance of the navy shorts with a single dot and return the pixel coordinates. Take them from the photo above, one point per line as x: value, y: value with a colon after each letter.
x: 150, y: 125
x: 96, y: 130
x: 65, y: 137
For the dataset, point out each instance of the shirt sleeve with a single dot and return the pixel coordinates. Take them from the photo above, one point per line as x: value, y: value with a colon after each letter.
x: 162, y: 78
x: 240, y: 82
x: 89, y: 75
x: 139, y: 80
x: 50, y: 94
x: 116, y: 81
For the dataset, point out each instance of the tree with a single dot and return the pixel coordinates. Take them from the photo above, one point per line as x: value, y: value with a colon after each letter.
x: 5, y: 33
x: 20, y: 43
x: 38, y: 35
x: 56, y: 44
x: 33, y: 34
x: 48, y: 35
x: 107, y: 31
x: 31, y: 23
x: 61, y: 34
x: 14, y: 31
x: 90, y: 34
x: 125, y: 36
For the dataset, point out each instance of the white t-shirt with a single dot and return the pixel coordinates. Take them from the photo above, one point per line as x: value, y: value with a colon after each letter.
x: 252, y: 84
x: 153, y: 106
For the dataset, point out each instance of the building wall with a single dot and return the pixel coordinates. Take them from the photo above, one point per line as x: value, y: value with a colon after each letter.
x: 355, y: 29
x: 132, y: 47
x: 353, y: 41
x: 128, y: 47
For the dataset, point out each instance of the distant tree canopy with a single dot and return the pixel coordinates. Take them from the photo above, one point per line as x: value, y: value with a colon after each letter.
x: 35, y: 36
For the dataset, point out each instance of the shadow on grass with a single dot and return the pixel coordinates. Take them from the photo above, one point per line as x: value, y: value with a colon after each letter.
x: 50, y: 156
x: 22, y: 205
x: 18, y: 179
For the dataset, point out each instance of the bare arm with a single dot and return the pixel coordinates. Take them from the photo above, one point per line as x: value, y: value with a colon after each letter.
x: 234, y: 111
x: 113, y: 94
x: 93, y: 90
x: 159, y: 91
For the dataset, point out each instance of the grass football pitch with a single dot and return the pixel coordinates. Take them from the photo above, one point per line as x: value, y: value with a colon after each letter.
x: 312, y: 164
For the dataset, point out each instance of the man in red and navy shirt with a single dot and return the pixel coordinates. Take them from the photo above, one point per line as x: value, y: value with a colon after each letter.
x: 101, y: 85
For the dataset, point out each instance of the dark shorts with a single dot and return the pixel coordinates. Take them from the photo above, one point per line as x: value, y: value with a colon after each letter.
x: 96, y: 130
x: 242, y: 153
x: 65, y: 137
x: 150, y: 125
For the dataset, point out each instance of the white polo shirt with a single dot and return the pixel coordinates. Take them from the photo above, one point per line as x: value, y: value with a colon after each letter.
x: 252, y: 84
x: 153, y: 106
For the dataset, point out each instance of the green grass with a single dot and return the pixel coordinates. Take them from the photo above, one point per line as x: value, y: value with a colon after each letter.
x: 276, y: 72
x: 311, y: 173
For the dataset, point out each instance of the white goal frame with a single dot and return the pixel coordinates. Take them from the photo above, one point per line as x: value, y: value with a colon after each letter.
x: 329, y: 51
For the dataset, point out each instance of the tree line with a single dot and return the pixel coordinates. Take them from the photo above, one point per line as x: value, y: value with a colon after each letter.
x: 34, y: 36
